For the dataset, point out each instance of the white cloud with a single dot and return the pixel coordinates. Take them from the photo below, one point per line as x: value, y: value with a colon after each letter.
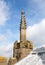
x: 6, y: 50
x: 6, y: 45
x: 36, y: 33
x: 2, y: 38
x: 4, y: 8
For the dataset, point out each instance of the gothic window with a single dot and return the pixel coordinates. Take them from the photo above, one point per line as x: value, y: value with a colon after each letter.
x: 25, y: 45
x: 31, y: 47
x: 18, y: 45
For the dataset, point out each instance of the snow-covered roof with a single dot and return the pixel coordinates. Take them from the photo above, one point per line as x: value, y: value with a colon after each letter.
x: 39, y: 50
x: 34, y: 59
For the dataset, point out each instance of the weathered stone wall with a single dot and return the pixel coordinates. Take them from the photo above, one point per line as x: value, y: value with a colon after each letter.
x: 25, y: 52
x: 12, y: 61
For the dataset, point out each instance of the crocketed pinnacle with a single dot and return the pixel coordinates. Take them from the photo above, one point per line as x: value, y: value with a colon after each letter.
x: 23, y: 21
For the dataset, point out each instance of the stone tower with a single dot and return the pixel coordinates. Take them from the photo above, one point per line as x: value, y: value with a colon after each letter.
x: 22, y: 27
x: 24, y: 47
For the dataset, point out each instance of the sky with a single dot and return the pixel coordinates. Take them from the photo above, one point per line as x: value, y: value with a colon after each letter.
x: 10, y: 15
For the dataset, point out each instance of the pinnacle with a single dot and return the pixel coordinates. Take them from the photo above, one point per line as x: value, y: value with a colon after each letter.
x: 22, y: 11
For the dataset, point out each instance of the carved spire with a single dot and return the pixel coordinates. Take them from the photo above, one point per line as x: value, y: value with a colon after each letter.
x: 23, y: 27
x: 23, y: 21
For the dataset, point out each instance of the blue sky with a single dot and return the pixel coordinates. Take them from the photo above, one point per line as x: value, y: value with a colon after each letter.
x: 10, y: 15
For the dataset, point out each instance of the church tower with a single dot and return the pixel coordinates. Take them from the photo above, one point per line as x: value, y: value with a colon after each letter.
x: 22, y: 27
x: 24, y: 47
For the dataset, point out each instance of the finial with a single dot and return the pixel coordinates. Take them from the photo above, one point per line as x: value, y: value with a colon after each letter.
x: 22, y: 12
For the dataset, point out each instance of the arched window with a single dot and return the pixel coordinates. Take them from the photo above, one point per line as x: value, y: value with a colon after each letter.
x: 25, y: 45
